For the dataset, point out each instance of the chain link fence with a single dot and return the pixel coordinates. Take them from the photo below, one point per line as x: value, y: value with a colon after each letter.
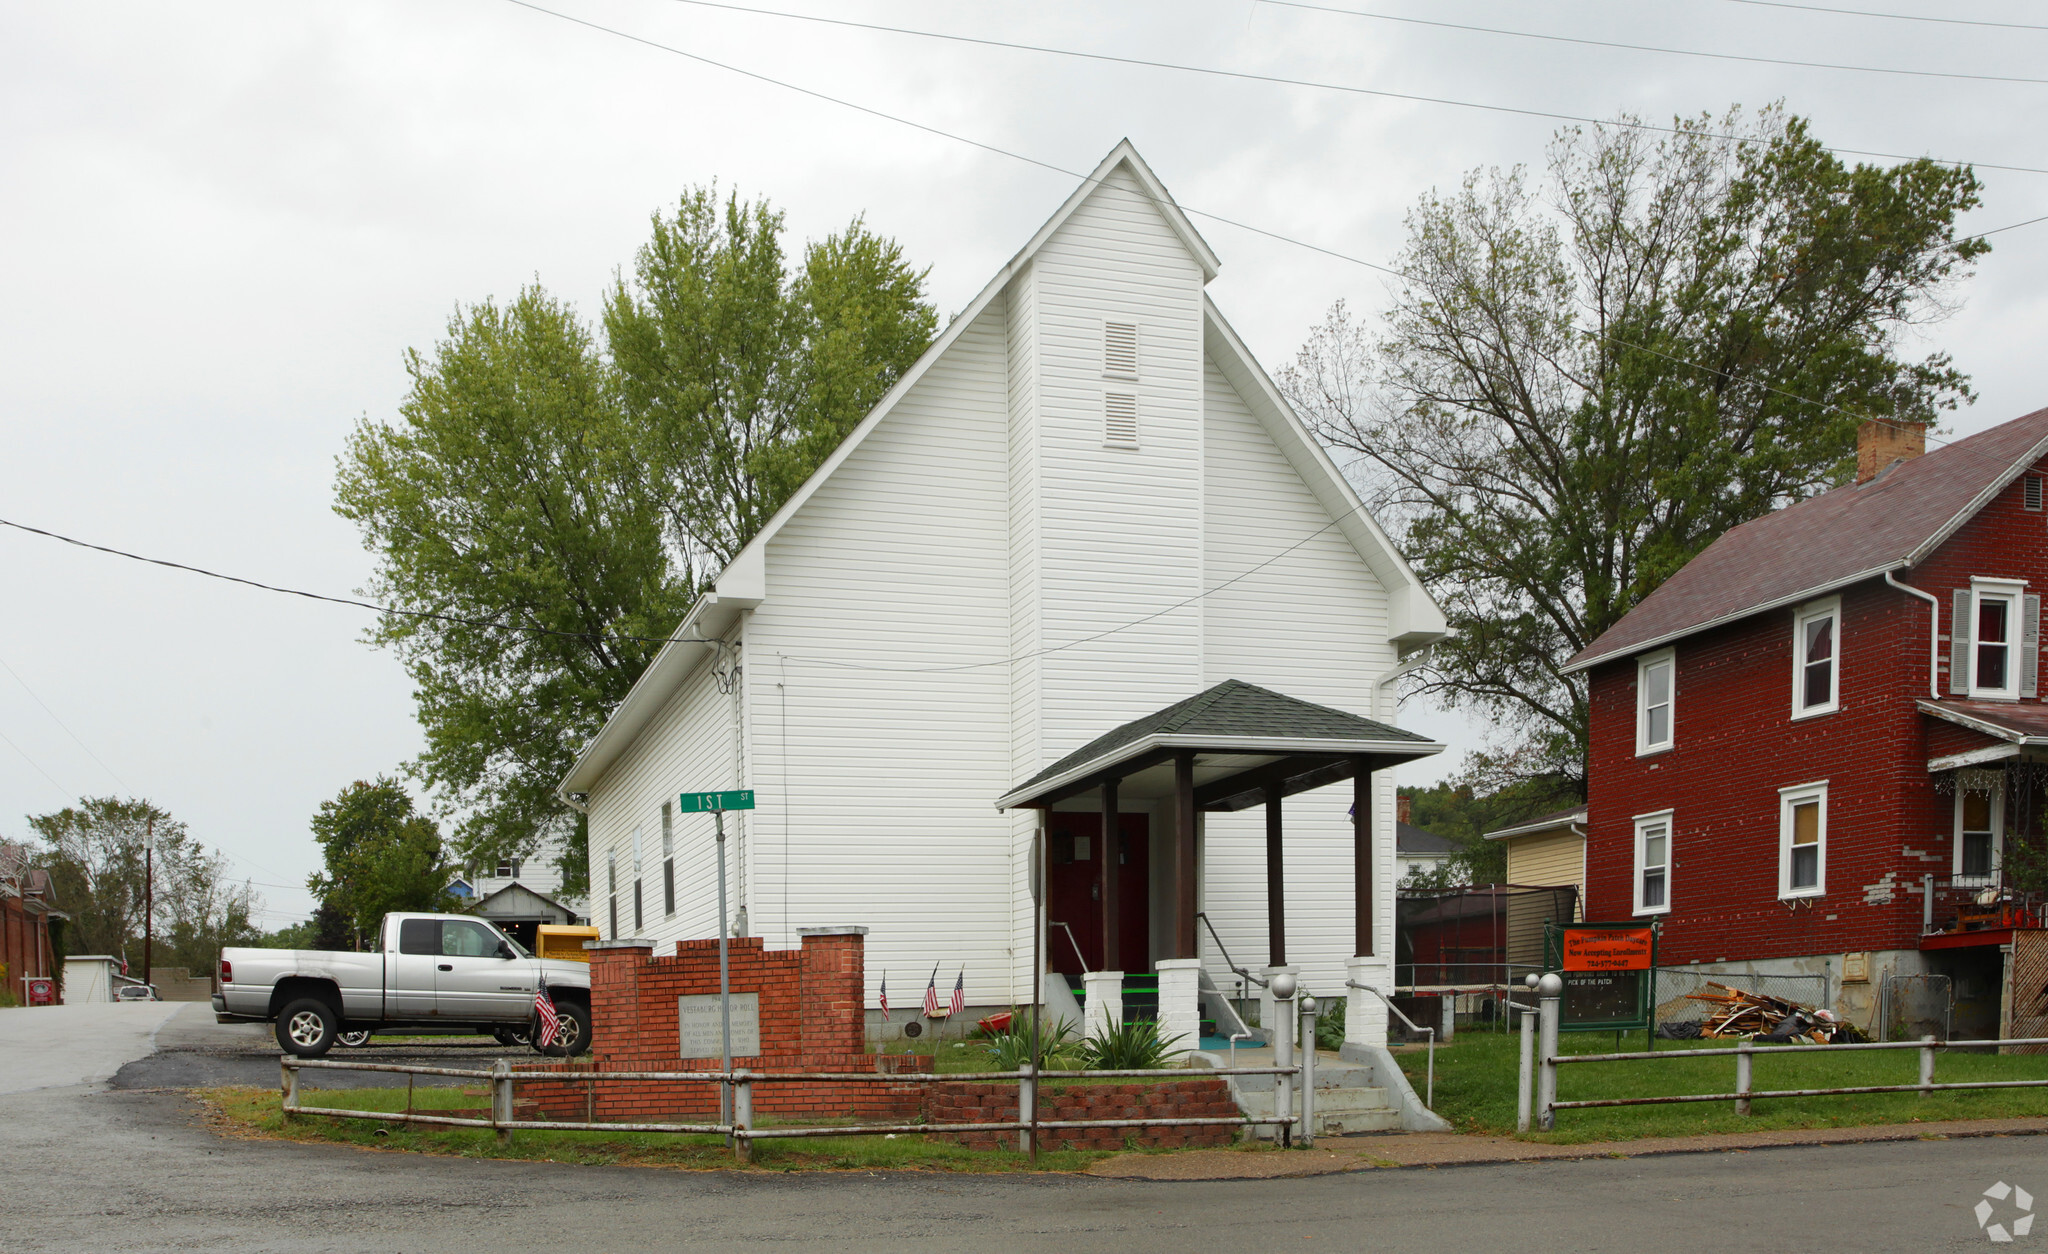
x: 1913, y: 1006
x: 1675, y: 986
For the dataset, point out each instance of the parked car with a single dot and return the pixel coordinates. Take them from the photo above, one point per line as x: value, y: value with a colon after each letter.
x: 428, y: 971
x: 137, y: 992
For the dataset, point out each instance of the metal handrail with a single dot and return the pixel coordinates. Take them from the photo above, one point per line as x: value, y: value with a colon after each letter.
x: 1204, y: 917
x: 1429, y: 1093
x: 1078, y: 955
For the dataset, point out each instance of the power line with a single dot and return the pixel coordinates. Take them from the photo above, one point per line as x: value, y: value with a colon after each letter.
x: 1671, y: 52
x: 1241, y: 75
x: 1894, y: 17
x: 461, y: 620
x: 1047, y: 165
x: 32, y: 762
x: 66, y: 726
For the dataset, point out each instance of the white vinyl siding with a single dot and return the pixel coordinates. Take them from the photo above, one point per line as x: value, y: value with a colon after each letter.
x: 1653, y: 863
x: 881, y: 764
x: 1803, y: 840
x: 1656, y: 701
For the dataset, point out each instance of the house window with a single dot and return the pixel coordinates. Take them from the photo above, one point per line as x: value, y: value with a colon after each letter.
x: 1816, y: 658
x: 668, y: 859
x: 611, y: 871
x: 1802, y: 840
x: 1980, y: 834
x: 1992, y: 672
x: 1654, y: 701
x: 508, y: 868
x: 1653, y: 863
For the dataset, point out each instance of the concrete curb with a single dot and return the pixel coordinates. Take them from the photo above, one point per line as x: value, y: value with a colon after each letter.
x: 1336, y: 1155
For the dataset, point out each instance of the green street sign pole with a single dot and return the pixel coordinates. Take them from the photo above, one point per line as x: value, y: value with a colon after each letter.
x: 718, y: 803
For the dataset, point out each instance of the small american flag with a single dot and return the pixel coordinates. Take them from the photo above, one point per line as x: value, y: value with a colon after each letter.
x: 547, y: 1029
x: 931, y: 995
x: 885, y: 996
x: 959, y: 993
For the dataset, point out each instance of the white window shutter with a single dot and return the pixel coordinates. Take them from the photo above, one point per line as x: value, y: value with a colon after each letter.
x: 1959, y: 645
x: 2030, y: 648
x: 1120, y: 419
x: 1120, y: 349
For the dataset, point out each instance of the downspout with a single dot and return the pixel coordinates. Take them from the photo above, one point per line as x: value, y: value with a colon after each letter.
x: 1933, y: 634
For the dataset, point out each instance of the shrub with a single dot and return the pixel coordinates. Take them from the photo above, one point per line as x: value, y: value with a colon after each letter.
x: 1057, y: 1049
x: 1133, y: 1046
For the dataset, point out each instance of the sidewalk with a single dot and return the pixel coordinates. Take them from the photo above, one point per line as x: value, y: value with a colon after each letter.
x: 1334, y: 1154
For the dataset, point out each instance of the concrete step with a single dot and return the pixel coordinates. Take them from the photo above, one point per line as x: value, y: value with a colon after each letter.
x: 1337, y: 1111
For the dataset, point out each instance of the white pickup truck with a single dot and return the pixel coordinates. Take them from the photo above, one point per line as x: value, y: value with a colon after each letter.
x: 430, y: 970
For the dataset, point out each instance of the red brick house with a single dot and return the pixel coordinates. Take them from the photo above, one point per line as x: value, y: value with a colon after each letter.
x: 1808, y: 748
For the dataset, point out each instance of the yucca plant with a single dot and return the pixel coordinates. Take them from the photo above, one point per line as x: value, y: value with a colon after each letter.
x: 1133, y: 1046
x: 1057, y: 1050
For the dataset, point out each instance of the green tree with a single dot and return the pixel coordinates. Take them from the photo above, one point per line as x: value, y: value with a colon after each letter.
x: 1581, y: 386
x: 545, y: 511
x: 743, y: 376
x: 1454, y: 811
x: 95, y: 852
x: 513, y: 522
x: 382, y: 855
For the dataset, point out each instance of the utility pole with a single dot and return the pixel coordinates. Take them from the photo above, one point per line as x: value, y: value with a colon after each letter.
x: 148, y: 896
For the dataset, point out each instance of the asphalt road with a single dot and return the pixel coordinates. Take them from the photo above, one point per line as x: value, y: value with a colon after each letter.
x: 90, y: 1168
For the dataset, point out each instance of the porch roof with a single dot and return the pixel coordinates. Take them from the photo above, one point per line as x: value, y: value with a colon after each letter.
x: 1244, y: 739
x: 2018, y: 724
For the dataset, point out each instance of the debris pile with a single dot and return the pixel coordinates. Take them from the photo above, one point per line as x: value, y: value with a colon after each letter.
x: 1739, y: 1013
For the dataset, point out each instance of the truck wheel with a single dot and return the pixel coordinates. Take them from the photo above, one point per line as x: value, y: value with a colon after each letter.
x: 307, y: 1027
x: 509, y: 1036
x: 359, y: 1037
x: 572, y: 1027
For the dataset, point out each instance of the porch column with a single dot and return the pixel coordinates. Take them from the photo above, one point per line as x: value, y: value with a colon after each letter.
x: 1276, y: 885
x: 1106, y: 884
x: 1361, y: 856
x: 1185, y: 927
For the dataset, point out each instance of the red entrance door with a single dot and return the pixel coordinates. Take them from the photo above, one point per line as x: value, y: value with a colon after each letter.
x: 1073, y: 894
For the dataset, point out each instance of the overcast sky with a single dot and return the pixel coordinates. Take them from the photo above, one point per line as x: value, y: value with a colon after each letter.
x: 222, y: 224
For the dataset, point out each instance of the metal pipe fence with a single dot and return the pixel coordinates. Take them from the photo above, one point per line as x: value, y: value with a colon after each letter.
x: 1745, y: 1053
x: 739, y: 1083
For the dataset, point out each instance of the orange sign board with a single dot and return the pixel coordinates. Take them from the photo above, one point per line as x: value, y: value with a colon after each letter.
x: 1605, y: 949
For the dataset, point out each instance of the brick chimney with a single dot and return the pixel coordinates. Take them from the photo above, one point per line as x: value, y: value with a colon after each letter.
x: 1879, y: 444
x: 1403, y: 808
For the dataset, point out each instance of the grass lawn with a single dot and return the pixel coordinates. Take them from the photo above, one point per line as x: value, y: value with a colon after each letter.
x: 255, y: 1113
x: 1475, y: 1087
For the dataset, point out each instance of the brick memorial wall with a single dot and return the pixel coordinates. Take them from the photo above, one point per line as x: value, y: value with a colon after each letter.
x: 810, y: 1019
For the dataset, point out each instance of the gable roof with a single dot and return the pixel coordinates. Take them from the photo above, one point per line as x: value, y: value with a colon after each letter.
x: 1827, y: 542
x: 1566, y: 819
x: 1232, y: 715
x: 1418, y: 841
x: 742, y: 585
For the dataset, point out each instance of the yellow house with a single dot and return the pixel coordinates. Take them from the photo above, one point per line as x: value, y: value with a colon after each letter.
x: 1547, y: 851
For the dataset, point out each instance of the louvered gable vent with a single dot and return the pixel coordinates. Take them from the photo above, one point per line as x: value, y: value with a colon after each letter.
x: 1120, y: 419
x: 1120, y: 349
x: 2032, y: 491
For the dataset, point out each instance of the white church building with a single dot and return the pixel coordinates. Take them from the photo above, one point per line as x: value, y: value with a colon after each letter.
x: 1081, y: 573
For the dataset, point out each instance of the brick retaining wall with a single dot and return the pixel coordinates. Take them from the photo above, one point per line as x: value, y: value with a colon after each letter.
x: 1173, y: 1099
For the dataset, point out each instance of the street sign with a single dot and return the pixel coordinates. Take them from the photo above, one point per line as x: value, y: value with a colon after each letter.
x: 1608, y: 949
x: 1609, y: 972
x: 705, y: 802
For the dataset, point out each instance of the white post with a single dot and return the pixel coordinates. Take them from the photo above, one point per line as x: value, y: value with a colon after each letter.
x: 1027, y: 1104
x: 288, y: 1080
x: 1365, y: 1017
x: 1525, y: 1085
x: 1180, y: 1003
x: 743, y: 1115
x: 1447, y: 1018
x: 1283, y: 1054
x: 1104, y: 1007
x: 1927, y: 1066
x: 501, y: 1100
x: 1549, y: 998
x: 1743, y: 1059
x: 1269, y: 1015
x: 1308, y: 1071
